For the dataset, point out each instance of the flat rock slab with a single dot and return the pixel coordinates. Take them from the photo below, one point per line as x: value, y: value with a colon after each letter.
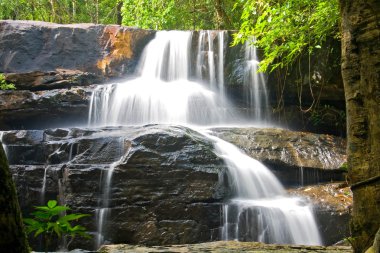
x: 223, y: 246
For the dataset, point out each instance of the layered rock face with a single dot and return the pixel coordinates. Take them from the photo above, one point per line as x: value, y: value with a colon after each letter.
x: 167, y: 184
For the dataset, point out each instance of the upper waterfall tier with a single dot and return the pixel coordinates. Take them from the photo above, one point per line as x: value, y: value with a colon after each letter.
x: 169, y: 89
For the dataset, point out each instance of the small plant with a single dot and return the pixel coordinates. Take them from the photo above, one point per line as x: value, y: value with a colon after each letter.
x: 4, y: 85
x: 51, y: 221
x: 344, y: 166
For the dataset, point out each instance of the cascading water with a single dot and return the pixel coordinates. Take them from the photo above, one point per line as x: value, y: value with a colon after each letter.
x: 260, y: 210
x: 255, y: 84
x: 163, y: 93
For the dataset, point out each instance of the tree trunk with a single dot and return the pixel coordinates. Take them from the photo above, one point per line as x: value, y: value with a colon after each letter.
x: 12, y: 235
x: 223, y: 19
x: 119, y: 17
x: 361, y: 75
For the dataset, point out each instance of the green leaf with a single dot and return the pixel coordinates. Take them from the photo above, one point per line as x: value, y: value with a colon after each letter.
x: 39, y: 231
x: 52, y: 203
x: 42, y: 215
x: 71, y: 217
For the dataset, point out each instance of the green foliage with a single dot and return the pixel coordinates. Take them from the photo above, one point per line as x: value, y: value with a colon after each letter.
x: 181, y: 14
x: 50, y: 221
x: 285, y: 29
x: 4, y: 85
x: 62, y: 11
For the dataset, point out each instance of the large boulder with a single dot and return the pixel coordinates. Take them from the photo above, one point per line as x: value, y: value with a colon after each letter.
x: 164, y: 189
x: 28, y: 46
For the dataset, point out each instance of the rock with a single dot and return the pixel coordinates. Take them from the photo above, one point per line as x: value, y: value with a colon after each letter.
x: 165, y: 185
x: 58, y: 79
x: 224, y: 246
x: 296, y: 158
x: 33, y: 46
x: 22, y: 109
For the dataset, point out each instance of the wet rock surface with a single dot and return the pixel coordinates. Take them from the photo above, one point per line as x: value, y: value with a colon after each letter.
x: 224, y: 247
x: 24, y: 109
x: 165, y: 187
x: 58, y: 79
x: 29, y: 46
x: 296, y: 158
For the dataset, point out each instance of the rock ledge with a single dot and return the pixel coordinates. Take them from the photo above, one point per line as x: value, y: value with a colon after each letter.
x: 224, y: 246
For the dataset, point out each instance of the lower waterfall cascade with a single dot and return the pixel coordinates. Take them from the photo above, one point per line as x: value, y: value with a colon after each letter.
x: 167, y: 91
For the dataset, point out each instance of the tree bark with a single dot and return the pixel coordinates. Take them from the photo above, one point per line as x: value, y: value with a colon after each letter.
x: 12, y: 235
x: 361, y: 75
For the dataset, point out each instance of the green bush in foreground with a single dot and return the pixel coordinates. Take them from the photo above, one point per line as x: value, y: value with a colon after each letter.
x: 51, y: 221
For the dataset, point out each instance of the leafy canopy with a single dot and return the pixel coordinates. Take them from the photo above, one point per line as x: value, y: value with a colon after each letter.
x: 62, y: 11
x: 285, y: 29
x: 181, y: 14
x: 51, y: 221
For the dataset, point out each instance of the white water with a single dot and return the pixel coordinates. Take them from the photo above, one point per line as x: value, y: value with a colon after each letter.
x: 260, y: 209
x: 255, y: 84
x: 5, y: 148
x: 163, y: 93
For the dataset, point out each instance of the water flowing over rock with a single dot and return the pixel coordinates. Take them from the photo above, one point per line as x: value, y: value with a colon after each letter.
x: 148, y: 183
x: 39, y: 55
x: 167, y: 186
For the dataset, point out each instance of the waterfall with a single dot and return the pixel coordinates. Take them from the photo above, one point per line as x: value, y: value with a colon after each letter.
x: 162, y: 92
x: 210, y: 60
x: 5, y: 148
x: 103, y: 211
x: 255, y: 84
x: 260, y: 209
